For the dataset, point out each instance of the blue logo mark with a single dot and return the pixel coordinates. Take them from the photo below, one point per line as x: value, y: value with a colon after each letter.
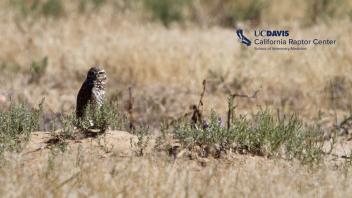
x: 243, y: 39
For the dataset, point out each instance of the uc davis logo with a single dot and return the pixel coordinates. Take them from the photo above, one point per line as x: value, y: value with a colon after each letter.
x: 242, y: 38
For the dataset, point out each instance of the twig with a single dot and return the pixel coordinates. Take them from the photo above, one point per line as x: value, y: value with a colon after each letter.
x: 196, y: 110
x: 345, y: 121
x: 174, y: 120
x: 231, y: 108
x: 130, y: 109
x: 68, y: 180
x: 200, y: 104
x: 197, y: 116
x: 253, y: 96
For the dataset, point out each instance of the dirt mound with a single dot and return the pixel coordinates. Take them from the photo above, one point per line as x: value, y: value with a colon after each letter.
x: 112, y: 142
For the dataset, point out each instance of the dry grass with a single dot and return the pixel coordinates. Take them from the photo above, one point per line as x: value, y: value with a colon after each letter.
x: 86, y: 169
x: 165, y: 68
x: 90, y: 175
x: 124, y: 48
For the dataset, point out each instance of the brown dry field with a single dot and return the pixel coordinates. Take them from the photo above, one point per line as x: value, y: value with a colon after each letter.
x: 165, y: 68
x: 107, y: 167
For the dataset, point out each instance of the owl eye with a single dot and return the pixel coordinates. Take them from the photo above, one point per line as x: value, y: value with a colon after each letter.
x: 101, y: 72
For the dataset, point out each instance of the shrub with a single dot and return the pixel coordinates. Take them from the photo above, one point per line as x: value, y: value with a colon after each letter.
x: 102, y: 118
x: 85, y: 4
x: 9, y: 68
x: 16, y: 125
x: 143, y: 139
x: 237, y: 10
x: 325, y: 9
x: 35, y: 8
x: 94, y: 123
x: 94, y: 119
x: 26, y: 7
x: 167, y: 11
x: 262, y: 135
x: 52, y: 8
x: 38, y: 70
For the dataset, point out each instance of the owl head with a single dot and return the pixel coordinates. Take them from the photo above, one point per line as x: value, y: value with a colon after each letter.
x: 96, y: 74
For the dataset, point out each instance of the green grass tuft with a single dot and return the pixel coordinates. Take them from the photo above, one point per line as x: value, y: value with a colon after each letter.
x: 53, y: 8
x: 16, y: 125
x: 167, y: 11
x: 261, y: 135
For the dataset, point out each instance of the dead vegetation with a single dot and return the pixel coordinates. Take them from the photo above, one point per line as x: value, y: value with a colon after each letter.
x: 191, y: 113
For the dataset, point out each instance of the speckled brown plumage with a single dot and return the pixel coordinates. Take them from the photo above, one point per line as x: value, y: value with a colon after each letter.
x: 92, y: 91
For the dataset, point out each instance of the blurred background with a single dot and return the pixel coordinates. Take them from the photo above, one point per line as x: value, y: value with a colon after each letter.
x: 164, y: 49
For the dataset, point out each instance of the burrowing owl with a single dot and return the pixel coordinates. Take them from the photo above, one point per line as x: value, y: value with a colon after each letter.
x: 92, y: 91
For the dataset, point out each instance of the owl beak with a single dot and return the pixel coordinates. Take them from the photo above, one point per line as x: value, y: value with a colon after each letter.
x: 105, y: 79
x: 102, y: 76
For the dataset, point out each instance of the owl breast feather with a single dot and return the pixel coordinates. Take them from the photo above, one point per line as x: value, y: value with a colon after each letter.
x: 98, y: 96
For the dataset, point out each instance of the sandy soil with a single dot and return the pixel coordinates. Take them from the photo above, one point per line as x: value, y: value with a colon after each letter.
x: 119, y: 143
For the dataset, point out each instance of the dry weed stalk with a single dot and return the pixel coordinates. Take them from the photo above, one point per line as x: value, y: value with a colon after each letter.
x: 130, y: 109
x: 344, y: 125
x: 231, y: 107
x: 196, y: 111
x: 197, y: 116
